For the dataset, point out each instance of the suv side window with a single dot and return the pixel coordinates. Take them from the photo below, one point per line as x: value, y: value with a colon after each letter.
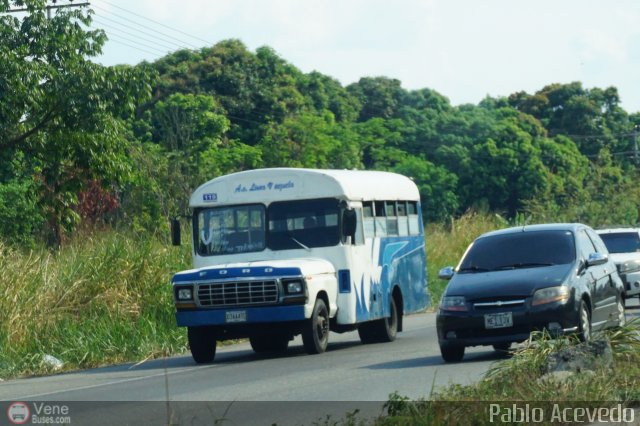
x: 597, y: 241
x: 585, y: 246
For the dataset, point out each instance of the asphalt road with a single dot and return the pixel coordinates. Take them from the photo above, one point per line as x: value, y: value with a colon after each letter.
x: 245, y: 388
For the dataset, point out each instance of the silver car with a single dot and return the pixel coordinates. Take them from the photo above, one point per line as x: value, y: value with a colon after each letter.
x: 624, y: 249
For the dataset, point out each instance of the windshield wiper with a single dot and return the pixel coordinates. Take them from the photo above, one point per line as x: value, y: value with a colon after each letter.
x: 299, y: 243
x: 522, y: 265
x: 473, y: 269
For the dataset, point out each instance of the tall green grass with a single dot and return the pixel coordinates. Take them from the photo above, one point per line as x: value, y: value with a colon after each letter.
x: 102, y: 299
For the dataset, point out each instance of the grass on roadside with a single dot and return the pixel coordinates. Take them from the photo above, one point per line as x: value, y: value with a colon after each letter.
x: 102, y: 299
x: 519, y: 379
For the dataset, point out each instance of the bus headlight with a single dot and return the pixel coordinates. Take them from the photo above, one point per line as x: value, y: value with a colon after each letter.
x: 184, y: 294
x: 293, y: 287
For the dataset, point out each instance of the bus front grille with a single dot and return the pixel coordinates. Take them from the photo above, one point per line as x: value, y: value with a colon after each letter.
x: 238, y: 293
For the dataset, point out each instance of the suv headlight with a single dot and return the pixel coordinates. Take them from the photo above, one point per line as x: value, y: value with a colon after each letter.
x: 628, y: 266
x: 551, y: 294
x: 453, y: 303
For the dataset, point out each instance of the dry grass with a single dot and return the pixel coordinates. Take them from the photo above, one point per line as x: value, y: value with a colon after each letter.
x: 102, y: 299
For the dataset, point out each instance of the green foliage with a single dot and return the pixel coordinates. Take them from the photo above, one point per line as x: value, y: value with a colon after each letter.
x: 310, y: 141
x: 58, y: 110
x: 436, y: 185
x: 19, y: 214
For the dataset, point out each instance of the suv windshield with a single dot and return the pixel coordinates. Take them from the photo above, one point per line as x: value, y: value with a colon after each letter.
x: 621, y: 242
x: 290, y: 225
x: 519, y: 250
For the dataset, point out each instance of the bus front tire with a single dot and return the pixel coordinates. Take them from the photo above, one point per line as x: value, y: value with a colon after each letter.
x: 202, y: 342
x: 315, y: 335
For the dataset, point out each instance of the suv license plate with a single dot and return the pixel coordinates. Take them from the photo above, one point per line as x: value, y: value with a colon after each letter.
x: 499, y: 320
x: 235, y: 316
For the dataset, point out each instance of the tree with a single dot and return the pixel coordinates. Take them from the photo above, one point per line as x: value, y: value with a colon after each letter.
x: 437, y: 187
x: 379, y: 96
x: 310, y: 141
x: 190, y: 129
x: 60, y: 112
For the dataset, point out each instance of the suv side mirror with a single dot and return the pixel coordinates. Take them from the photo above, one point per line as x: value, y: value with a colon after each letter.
x: 446, y: 273
x: 175, y: 232
x: 596, y: 259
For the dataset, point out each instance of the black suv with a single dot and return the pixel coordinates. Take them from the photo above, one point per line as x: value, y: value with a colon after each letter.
x: 514, y: 281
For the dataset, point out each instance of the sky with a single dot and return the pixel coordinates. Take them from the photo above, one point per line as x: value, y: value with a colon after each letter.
x: 464, y: 49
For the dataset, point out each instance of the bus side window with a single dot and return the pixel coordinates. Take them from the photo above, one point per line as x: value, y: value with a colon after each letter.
x: 392, y: 218
x: 414, y: 223
x: 381, y: 220
x: 359, y: 240
x: 403, y: 220
x: 368, y: 219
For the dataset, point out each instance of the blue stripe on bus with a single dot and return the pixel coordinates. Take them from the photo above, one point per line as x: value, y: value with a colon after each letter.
x: 254, y: 315
x: 221, y: 273
x: 402, y: 261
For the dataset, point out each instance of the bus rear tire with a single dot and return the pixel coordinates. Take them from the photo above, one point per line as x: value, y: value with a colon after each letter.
x: 382, y: 330
x: 202, y: 342
x: 315, y: 335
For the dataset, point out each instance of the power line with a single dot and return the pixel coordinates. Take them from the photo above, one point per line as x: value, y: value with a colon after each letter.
x: 111, y: 28
x: 158, y: 23
x: 115, y: 40
x: 181, y: 42
x: 137, y: 43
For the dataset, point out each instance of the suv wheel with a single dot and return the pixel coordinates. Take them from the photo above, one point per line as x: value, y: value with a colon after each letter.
x: 452, y: 353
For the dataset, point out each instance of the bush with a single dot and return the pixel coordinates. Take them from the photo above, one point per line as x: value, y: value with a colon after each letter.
x: 20, y: 217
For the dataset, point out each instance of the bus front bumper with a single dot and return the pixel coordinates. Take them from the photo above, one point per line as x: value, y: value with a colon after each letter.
x: 239, y: 315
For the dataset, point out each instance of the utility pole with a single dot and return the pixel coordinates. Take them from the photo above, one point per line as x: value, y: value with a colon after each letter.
x: 49, y: 7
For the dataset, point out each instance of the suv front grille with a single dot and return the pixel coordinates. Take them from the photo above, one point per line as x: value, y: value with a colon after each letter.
x: 238, y: 293
x: 499, y: 304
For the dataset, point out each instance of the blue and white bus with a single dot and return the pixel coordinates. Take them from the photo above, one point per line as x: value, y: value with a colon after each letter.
x: 281, y: 252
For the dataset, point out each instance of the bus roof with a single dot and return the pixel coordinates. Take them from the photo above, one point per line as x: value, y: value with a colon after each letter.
x: 278, y: 184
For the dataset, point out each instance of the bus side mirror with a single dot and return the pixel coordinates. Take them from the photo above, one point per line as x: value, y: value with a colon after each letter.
x: 349, y: 224
x: 175, y: 232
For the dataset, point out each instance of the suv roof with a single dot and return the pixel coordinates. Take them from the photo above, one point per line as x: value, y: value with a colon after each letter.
x: 537, y: 227
x: 617, y: 229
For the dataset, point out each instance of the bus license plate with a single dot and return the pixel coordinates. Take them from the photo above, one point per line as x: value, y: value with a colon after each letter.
x: 235, y: 316
x: 499, y: 320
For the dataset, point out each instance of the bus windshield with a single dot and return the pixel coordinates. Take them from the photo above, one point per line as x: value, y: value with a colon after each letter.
x: 305, y: 223
x: 228, y: 230
x: 245, y: 228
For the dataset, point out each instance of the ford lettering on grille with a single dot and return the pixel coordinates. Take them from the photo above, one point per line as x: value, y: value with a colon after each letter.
x: 238, y: 293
